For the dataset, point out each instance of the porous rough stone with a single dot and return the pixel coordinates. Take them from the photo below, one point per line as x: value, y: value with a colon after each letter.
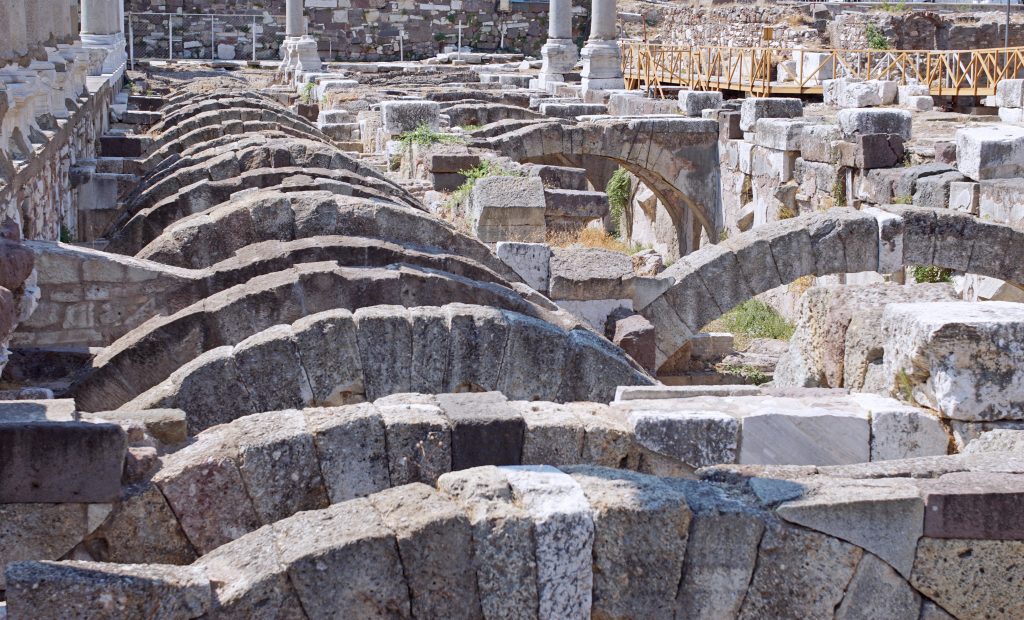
x: 419, y: 443
x: 877, y: 591
x: 554, y: 434
x: 508, y: 209
x: 756, y: 108
x: 351, y: 449
x: 401, y: 116
x: 870, y: 121
x: 697, y: 438
x: 564, y: 539
x: 972, y: 578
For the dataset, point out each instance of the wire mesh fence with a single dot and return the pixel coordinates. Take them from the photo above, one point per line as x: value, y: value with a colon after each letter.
x: 204, y: 36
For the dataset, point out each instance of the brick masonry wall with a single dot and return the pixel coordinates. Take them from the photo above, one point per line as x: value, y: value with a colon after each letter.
x: 352, y: 29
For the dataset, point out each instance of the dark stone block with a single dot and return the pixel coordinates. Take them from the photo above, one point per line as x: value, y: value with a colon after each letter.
x: 485, y: 430
x: 729, y: 126
x: 123, y: 146
x: 51, y: 462
x: 879, y: 150
x: 447, y: 181
x: 975, y: 506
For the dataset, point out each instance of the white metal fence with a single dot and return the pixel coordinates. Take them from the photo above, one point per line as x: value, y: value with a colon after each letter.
x: 204, y: 36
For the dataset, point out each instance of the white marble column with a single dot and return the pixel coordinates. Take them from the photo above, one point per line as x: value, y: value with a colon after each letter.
x: 602, y: 60
x: 559, y: 52
x: 299, y: 53
x: 102, y: 28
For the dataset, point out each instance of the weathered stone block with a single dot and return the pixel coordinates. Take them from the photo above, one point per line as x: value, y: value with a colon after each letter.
x: 693, y: 102
x: 697, y: 438
x: 958, y: 575
x: 401, y: 116
x: 509, y: 209
x: 529, y: 260
x: 974, y: 505
x: 862, y: 122
x: 756, y: 108
x: 990, y: 152
x: 879, y: 151
x: 485, y: 429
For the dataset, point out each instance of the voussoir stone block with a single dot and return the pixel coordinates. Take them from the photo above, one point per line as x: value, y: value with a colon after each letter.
x: 351, y: 449
x: 877, y: 591
x: 435, y: 545
x: 564, y: 539
x: 419, y: 443
x: 697, y: 438
x: 485, y: 429
x: 553, y: 435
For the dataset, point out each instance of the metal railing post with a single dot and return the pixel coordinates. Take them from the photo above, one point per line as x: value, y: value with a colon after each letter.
x: 131, y: 41
x: 253, y: 37
x: 213, y: 42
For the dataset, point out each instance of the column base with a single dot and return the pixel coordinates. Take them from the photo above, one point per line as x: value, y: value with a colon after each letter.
x: 300, y: 55
x: 559, y: 57
x: 115, y: 56
x: 602, y: 66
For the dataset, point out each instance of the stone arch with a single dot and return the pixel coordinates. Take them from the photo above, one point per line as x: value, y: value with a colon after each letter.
x: 677, y: 158
x: 148, y: 354
x: 713, y: 280
x: 337, y: 357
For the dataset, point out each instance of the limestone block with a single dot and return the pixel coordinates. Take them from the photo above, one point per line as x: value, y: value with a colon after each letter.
x: 344, y: 557
x: 575, y: 204
x: 990, y: 152
x: 636, y: 336
x: 40, y: 531
x: 920, y: 103
x: 756, y: 108
x: 554, y: 434
x: 142, y: 529
x: 503, y: 547
x: 327, y: 348
x: 418, y: 439
x: 998, y: 440
x: 697, y: 438
x: 932, y: 192
x: 641, y: 527
x: 859, y: 95
x: 888, y: 91
x: 399, y: 117
x: 572, y: 110
x: 812, y: 67
x: 879, y: 151
x: 781, y: 134
x: 428, y: 526
x: 818, y: 143
x: 564, y: 539
x: 485, y: 430
x: 273, y: 353
x: 1011, y: 115
x: 868, y: 121
x: 902, y: 432
x: 951, y: 357
x: 800, y: 574
x: 384, y: 336
x: 906, y: 91
x: 560, y: 176
x: 1010, y: 94
x: 351, y: 450
x: 508, y: 209
x: 693, y: 102
x: 635, y: 104
x: 883, y: 517
x: 106, y: 591
x: 877, y: 591
x: 974, y: 505
x: 958, y: 575
x: 589, y: 274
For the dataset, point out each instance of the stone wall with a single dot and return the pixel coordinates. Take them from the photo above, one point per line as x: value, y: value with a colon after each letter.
x: 353, y: 29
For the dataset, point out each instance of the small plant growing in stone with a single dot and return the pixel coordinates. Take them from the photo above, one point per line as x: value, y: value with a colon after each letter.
x: 839, y: 190
x: 904, y: 387
x: 425, y: 136
x: 750, y: 374
x: 876, y: 37
x: 895, y: 8
x: 482, y: 170
x: 620, y: 192
x: 785, y: 213
x: 307, y: 93
x: 931, y: 274
x: 903, y: 200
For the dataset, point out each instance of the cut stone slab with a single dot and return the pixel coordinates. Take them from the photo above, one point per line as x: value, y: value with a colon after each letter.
x: 106, y: 591
x: 804, y: 436
x: 503, y: 547
x: 899, y: 431
x: 800, y: 574
x: 871, y: 121
x: 990, y: 152
x: 399, y: 117
x: 877, y: 591
x: 697, y: 438
x: 756, y: 108
x: 40, y: 531
x: 999, y: 440
x: 693, y: 102
x: 967, y: 576
x: 884, y: 518
x: 564, y: 539
x: 951, y: 357
x: 974, y: 505
x: 436, y: 549
x: 641, y: 527
x: 590, y: 274
x: 485, y: 429
x: 529, y: 260
x: 554, y: 434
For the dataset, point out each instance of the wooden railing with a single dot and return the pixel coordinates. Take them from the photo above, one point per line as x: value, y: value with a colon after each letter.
x: 760, y: 70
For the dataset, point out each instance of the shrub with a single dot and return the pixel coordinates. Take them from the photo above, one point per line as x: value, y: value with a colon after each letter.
x: 785, y: 213
x: 930, y: 274
x: 620, y: 191
x: 756, y: 319
x: 307, y: 93
x: 876, y: 37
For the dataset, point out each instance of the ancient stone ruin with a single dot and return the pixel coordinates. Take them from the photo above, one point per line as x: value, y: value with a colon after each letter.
x: 590, y: 327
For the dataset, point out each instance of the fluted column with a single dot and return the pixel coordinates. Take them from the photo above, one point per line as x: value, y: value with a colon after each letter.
x: 299, y: 53
x: 602, y: 60
x: 103, y: 28
x: 559, y: 52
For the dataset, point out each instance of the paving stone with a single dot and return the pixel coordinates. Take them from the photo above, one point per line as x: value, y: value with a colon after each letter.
x: 799, y: 574
x: 351, y: 449
x: 428, y: 527
x: 877, y: 591
x: 971, y: 578
x: 640, y: 532
x: 100, y: 590
x: 974, y: 505
x: 485, y: 430
x: 503, y: 547
x: 883, y: 517
x: 343, y: 558
x: 564, y: 538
